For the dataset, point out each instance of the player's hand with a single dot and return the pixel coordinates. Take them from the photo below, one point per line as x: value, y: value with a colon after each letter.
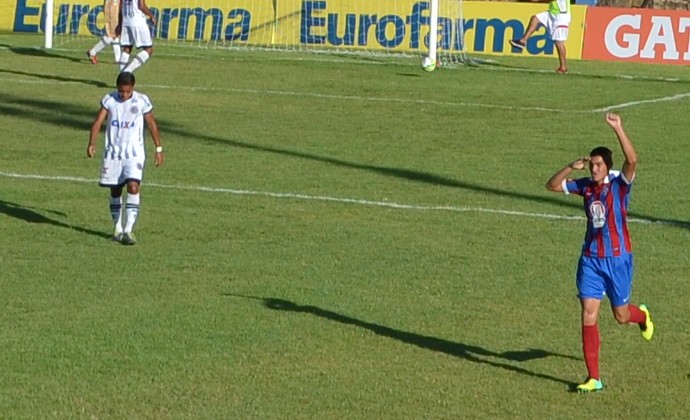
x: 153, y: 20
x: 91, y: 150
x: 614, y: 120
x: 158, y: 159
x: 580, y: 163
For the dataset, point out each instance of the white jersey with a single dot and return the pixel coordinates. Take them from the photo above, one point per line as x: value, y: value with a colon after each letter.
x: 131, y: 14
x: 124, y: 135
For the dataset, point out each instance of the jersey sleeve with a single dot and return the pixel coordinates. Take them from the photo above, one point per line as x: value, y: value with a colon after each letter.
x: 147, y: 106
x: 106, y: 100
x: 619, y: 178
x: 626, y: 180
x: 575, y: 186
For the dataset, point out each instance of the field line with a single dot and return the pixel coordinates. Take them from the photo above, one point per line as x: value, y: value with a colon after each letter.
x: 313, y: 95
x: 297, y: 196
x: 644, y: 101
x: 373, y: 98
x: 369, y: 98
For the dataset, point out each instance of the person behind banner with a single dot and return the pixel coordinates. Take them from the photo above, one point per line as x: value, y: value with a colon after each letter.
x: 111, y: 11
x: 556, y: 20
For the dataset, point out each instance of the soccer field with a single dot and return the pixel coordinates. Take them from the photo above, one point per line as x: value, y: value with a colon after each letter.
x: 333, y: 236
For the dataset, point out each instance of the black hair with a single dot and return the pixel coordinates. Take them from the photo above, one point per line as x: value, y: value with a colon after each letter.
x: 125, y: 79
x: 605, y: 153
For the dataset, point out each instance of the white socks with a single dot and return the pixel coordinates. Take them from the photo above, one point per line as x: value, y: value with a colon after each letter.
x: 131, y: 211
x: 117, y: 50
x: 124, y: 59
x: 116, y: 213
x: 139, y: 59
x: 128, y: 217
x: 102, y: 43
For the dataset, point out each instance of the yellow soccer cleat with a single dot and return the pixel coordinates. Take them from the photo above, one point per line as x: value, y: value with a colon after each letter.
x: 648, y: 326
x: 591, y: 385
x: 128, y: 239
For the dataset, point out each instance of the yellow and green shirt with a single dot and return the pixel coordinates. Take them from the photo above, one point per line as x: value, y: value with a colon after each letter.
x: 559, y: 6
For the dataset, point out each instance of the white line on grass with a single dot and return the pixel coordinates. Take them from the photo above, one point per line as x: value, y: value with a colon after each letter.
x: 644, y: 101
x: 385, y: 204
x: 380, y: 99
x: 366, y: 98
x: 374, y: 99
x: 316, y: 95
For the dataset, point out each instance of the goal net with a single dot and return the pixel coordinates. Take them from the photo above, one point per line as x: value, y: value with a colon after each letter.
x: 360, y: 26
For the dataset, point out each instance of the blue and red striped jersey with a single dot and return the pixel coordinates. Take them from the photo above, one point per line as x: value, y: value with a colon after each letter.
x: 606, y: 207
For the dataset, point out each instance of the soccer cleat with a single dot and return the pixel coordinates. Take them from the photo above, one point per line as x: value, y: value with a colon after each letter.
x: 93, y: 58
x: 128, y: 239
x: 117, y: 237
x: 517, y: 44
x: 561, y: 70
x: 591, y: 385
x: 647, y: 327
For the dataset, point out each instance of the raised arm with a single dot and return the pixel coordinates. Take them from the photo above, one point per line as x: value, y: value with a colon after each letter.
x: 555, y: 183
x: 630, y: 164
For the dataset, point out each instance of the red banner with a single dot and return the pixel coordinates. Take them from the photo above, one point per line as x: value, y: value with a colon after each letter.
x: 643, y: 35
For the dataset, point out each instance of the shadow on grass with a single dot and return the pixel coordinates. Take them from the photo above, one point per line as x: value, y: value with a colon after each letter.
x: 414, y: 175
x: 70, y: 115
x: 39, y: 52
x: 60, y: 114
x: 64, y: 79
x: 467, y: 352
x: 30, y: 215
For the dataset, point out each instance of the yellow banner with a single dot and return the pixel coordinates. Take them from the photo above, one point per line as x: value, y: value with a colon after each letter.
x: 401, y: 25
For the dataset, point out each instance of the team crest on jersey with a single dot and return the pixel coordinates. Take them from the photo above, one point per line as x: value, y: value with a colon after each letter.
x: 134, y: 110
x: 598, y: 212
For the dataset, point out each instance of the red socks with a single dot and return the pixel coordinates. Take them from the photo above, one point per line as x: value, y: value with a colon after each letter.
x: 636, y: 315
x: 590, y: 347
x: 591, y: 341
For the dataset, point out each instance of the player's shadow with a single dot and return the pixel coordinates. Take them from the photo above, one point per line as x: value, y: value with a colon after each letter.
x: 39, y: 52
x: 31, y: 215
x: 409, y: 174
x: 467, y: 352
x: 64, y: 79
x: 42, y: 110
x: 70, y: 115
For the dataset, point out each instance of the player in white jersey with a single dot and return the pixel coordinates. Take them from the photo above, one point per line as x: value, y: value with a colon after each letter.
x: 111, y: 11
x: 124, y: 156
x: 135, y: 33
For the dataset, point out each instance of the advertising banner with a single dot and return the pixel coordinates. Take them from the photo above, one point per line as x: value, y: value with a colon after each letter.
x: 491, y: 24
x: 642, y: 35
x: 176, y: 19
x: 401, y: 25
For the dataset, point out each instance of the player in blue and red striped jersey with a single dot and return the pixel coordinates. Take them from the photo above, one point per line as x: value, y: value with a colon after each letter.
x: 606, y: 263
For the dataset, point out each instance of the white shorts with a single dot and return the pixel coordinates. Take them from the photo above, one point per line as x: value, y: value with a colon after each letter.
x: 556, y: 25
x: 116, y: 172
x: 137, y: 36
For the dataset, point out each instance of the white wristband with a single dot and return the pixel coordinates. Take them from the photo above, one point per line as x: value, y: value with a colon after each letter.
x: 159, y: 149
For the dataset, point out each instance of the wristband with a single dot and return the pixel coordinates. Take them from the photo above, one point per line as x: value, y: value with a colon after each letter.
x: 159, y: 149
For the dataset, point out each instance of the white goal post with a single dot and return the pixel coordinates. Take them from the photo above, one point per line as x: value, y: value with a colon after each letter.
x: 360, y: 26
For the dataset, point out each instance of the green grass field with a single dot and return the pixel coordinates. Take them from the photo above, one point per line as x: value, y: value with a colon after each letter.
x: 333, y: 237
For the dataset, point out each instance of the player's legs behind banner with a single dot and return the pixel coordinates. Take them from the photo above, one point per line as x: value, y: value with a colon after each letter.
x: 111, y: 10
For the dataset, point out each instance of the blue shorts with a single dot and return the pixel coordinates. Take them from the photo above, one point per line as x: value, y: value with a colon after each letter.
x: 611, y: 276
